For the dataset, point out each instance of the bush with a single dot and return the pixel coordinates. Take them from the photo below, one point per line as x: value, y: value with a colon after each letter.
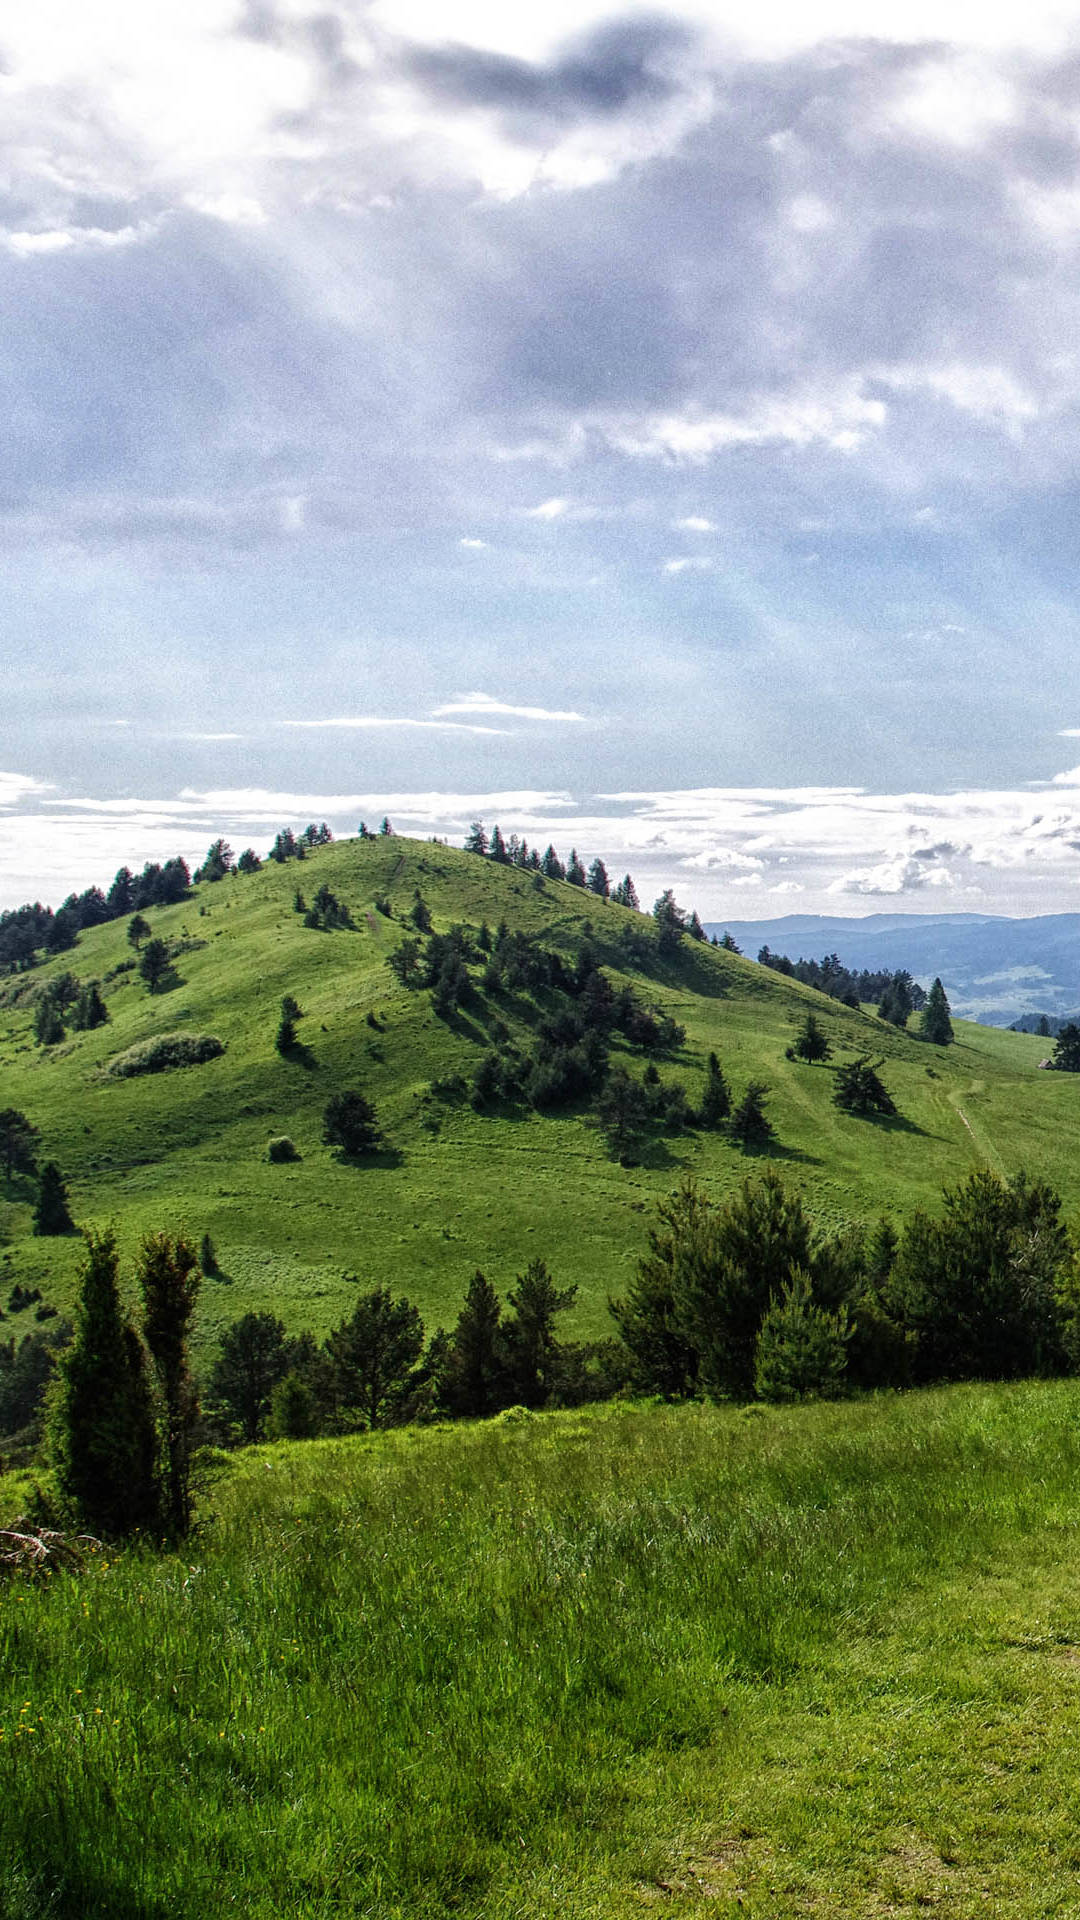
x: 281, y: 1148
x: 801, y: 1349
x: 166, y: 1051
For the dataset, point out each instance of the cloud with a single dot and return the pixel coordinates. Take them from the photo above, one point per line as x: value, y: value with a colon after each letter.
x: 477, y: 545
x: 15, y: 787
x: 548, y: 510
x: 695, y: 523
x: 695, y: 563
x: 375, y: 722
x: 486, y: 703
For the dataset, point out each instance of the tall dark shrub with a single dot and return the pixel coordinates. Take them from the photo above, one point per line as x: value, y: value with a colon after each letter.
x: 169, y: 1278
x: 101, y: 1427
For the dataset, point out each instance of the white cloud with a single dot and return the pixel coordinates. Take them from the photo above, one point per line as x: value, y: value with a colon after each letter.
x: 15, y: 787
x: 375, y: 721
x: 480, y: 703
x: 548, y: 510
x: 688, y: 564
x: 694, y: 523
x: 477, y: 546
x: 839, y: 417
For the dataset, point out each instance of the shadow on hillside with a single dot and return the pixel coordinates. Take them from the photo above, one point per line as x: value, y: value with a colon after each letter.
x: 385, y: 1157
x: 300, y: 1056
x: 893, y: 1123
x: 167, y: 982
x: 776, y: 1150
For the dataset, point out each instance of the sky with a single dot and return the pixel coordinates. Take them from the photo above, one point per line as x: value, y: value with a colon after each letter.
x: 653, y: 429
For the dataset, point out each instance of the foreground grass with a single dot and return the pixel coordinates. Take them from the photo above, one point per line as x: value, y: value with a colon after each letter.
x: 818, y: 1661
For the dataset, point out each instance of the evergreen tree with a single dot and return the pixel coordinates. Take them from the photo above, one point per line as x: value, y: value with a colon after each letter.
x: 497, y: 847
x: 622, y: 1111
x: 138, y: 931
x: 535, y: 1302
x: 294, y: 1413
x: 859, y: 1089
x: 598, y: 881
x: 474, y: 1377
x: 626, y: 894
x: 811, y: 1043
x: 286, y: 1037
x: 90, y: 1010
x: 695, y: 928
x: 1066, y: 1055
x: 385, y: 829
x: 663, y: 1359
x: 575, y: 872
x: 897, y: 1002
x: 750, y: 1126
x: 670, y: 921
x: 253, y: 1358
x: 101, y: 1426
x: 936, y: 1024
x: 728, y: 1263
x: 18, y: 1142
x: 349, y: 1122
x: 48, y: 1022
x: 551, y: 866
x: 249, y: 861
x: 120, y: 896
x: 404, y: 962
x: 801, y: 1349
x: 219, y: 861
x: 375, y: 1352
x: 476, y: 840
x: 716, y: 1099
x: 169, y: 1279
x: 421, y: 913
x: 52, y: 1214
x: 155, y: 964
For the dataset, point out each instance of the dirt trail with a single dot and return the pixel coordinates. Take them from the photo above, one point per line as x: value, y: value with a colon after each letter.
x: 983, y: 1147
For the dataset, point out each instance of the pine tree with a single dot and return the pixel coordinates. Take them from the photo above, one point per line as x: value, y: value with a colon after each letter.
x: 155, y: 964
x: 551, y: 866
x: 716, y: 1099
x: 349, y: 1122
x: 476, y: 840
x: 598, y: 881
x: 375, y: 1352
x: 497, y: 847
x: 291, y: 1012
x: 52, y: 1214
x: 535, y: 1302
x: 18, y: 1142
x: 138, y: 931
x: 90, y: 1010
x: 575, y: 872
x: 169, y: 1277
x: 750, y: 1126
x: 936, y: 1024
x: 1066, y: 1055
x: 474, y: 1372
x: 253, y: 1358
x: 101, y: 1426
x: 801, y: 1349
x: 859, y: 1089
x: 670, y: 921
x: 48, y: 1022
x: 810, y: 1042
x: 626, y: 895
x: 663, y: 1360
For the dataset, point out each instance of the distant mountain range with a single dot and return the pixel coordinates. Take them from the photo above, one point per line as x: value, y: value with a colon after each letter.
x: 993, y: 969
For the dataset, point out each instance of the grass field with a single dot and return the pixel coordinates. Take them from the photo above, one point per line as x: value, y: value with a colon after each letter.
x: 817, y: 1661
x: 457, y: 1189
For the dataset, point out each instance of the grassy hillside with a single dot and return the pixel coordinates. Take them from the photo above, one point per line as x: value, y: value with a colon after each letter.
x: 456, y: 1189
x: 818, y: 1661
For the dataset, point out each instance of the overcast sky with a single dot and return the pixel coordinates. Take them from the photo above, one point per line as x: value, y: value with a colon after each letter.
x: 655, y: 438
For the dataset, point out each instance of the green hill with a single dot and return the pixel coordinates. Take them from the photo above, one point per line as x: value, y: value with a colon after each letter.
x: 455, y: 1189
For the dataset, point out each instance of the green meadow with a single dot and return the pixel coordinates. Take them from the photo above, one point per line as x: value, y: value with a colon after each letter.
x: 456, y: 1189
x: 823, y: 1661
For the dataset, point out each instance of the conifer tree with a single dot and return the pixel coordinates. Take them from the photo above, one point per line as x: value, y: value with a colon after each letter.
x: 575, y: 872
x: 801, y: 1349
x: 52, y: 1214
x: 551, y: 866
x: 476, y: 840
x: 90, y: 1010
x: 497, y: 847
x: 626, y: 895
x: 534, y: 1302
x: 750, y: 1125
x: 860, y: 1090
x: 716, y: 1099
x: 598, y: 881
x: 475, y: 1374
x: 810, y: 1042
x: 285, y: 1038
x: 101, y: 1426
x: 936, y: 1024
x: 138, y: 931
x: 18, y: 1142
x: 169, y: 1277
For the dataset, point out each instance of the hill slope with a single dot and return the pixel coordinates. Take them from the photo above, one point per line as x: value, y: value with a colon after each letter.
x: 456, y: 1189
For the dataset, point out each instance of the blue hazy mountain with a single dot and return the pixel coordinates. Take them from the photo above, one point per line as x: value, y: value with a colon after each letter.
x: 993, y: 969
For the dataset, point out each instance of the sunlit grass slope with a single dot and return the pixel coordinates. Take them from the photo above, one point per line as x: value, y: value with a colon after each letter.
x: 458, y: 1189
x: 817, y: 1661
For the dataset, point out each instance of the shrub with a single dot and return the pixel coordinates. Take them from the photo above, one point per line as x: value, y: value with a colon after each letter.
x: 801, y: 1349
x: 164, y: 1052
x: 282, y: 1148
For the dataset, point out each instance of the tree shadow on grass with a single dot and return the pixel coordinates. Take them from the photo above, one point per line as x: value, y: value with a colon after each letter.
x: 384, y: 1157
x: 299, y: 1055
x: 891, y: 1123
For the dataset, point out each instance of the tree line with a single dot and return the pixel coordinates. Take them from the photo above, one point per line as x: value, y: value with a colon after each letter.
x: 896, y: 995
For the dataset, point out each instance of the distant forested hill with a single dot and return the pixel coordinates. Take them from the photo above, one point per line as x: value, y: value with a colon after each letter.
x: 994, y: 968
